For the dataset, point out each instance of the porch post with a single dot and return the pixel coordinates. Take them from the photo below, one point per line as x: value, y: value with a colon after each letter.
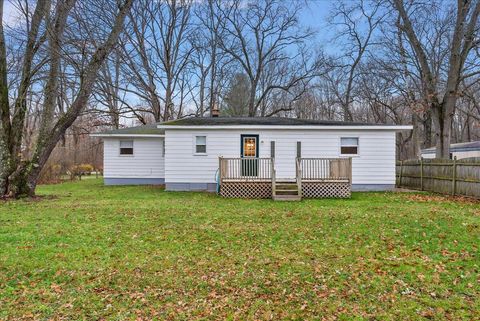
x: 350, y: 170
x: 220, y: 170
x: 273, y: 178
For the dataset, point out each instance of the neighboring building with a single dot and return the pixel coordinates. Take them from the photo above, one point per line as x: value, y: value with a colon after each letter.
x: 185, y: 154
x: 460, y: 150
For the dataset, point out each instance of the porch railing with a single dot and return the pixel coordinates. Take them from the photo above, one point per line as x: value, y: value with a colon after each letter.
x: 246, y: 169
x: 324, y: 169
x: 307, y: 169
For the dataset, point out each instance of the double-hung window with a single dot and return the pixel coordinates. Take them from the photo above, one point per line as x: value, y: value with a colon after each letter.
x: 349, y: 146
x: 126, y: 147
x: 200, y: 144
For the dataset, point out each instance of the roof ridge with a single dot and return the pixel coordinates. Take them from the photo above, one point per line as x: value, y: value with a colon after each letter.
x: 242, y: 120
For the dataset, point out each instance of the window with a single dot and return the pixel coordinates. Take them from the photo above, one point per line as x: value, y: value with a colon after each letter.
x: 349, y: 146
x: 126, y: 147
x: 200, y: 144
x: 249, y: 147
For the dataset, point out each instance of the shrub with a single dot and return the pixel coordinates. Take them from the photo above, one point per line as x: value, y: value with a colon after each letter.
x: 80, y: 170
x: 86, y: 169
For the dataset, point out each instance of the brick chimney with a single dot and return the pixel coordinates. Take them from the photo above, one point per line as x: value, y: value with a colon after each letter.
x: 215, y: 112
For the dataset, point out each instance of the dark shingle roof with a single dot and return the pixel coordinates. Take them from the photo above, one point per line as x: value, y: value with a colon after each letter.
x: 149, y: 129
x: 271, y: 121
x: 459, y: 147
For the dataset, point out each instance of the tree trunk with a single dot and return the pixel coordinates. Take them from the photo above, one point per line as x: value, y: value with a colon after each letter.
x: 213, y: 71
x: 251, y: 99
x: 427, y: 129
x: 202, y: 94
x: 18, y: 184
x: 347, y: 114
x: 5, y: 162
x: 468, y: 130
x: 5, y: 126
x: 416, y: 136
x: 168, y: 100
x: 443, y: 130
x: 156, y: 107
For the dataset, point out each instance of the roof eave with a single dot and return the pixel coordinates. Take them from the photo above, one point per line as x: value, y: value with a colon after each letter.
x: 126, y: 135
x: 292, y: 127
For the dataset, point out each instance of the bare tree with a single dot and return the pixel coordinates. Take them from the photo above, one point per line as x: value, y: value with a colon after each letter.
x: 355, y: 25
x: 157, y: 52
x: 47, y: 26
x: 107, y: 91
x: 209, y: 58
x: 442, y: 91
x: 257, y: 35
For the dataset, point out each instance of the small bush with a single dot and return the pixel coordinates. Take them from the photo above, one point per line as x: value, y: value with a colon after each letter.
x: 86, y: 169
x: 80, y: 170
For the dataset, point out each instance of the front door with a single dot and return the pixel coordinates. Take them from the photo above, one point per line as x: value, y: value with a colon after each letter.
x: 249, y: 154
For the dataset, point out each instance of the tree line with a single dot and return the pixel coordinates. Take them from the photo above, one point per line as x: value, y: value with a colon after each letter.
x: 113, y: 63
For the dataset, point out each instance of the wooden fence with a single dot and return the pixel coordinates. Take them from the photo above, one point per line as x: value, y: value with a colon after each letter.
x: 455, y: 177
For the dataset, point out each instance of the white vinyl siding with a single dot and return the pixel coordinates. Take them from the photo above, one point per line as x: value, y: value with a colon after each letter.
x: 375, y: 164
x: 147, y: 160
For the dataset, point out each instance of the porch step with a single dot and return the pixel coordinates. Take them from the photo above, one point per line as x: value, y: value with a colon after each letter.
x: 286, y: 187
x: 287, y: 198
x: 286, y: 191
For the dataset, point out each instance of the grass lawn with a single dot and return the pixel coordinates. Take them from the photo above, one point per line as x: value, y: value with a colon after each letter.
x: 88, y: 252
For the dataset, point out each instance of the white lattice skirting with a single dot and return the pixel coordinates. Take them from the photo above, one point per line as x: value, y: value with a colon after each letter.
x: 264, y: 190
x: 246, y: 189
x: 326, y: 190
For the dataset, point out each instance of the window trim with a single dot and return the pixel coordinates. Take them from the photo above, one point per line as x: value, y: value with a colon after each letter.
x: 195, y: 153
x: 349, y: 155
x: 120, y: 147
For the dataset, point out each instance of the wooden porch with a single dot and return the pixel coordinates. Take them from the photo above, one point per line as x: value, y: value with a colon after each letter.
x: 257, y: 178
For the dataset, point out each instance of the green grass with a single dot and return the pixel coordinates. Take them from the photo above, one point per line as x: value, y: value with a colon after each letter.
x: 86, y: 252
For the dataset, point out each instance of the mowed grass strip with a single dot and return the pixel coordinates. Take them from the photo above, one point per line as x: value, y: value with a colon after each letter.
x: 85, y: 251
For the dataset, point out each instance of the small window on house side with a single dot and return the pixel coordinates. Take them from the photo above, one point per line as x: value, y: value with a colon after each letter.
x: 349, y: 146
x: 126, y: 147
x: 200, y: 144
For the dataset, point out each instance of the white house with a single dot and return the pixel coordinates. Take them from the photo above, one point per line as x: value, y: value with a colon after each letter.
x: 184, y: 154
x: 459, y: 150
